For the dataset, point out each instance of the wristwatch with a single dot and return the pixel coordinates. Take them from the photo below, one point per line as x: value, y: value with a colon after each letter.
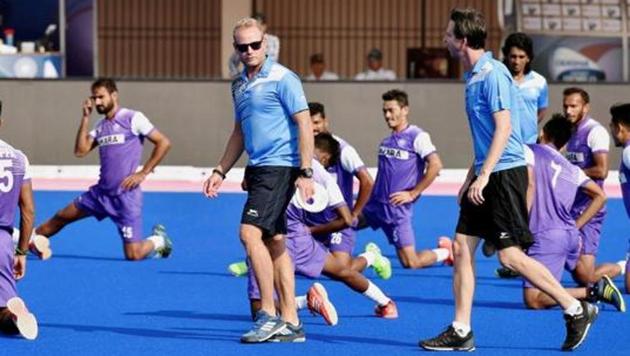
x: 306, y: 172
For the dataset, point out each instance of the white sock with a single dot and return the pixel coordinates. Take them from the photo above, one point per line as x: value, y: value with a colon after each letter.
x: 369, y: 257
x: 376, y: 294
x: 441, y: 253
x: 574, y: 309
x: 158, y: 241
x: 622, y: 264
x: 301, y: 302
x: 460, y: 328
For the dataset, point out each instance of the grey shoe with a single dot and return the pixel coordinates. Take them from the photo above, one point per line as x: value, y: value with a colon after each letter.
x: 290, y: 334
x: 264, y: 328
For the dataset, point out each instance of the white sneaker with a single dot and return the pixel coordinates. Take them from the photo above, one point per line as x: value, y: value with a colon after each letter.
x: 23, y: 319
x: 40, y: 247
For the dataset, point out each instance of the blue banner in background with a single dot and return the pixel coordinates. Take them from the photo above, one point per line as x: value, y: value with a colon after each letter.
x: 30, y: 65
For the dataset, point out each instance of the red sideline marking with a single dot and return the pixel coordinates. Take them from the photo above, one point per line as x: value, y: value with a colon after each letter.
x: 68, y: 184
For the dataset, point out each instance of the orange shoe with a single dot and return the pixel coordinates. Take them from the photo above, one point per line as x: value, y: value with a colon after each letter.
x: 445, y: 242
x: 387, y: 311
x: 40, y: 247
x: 23, y: 319
x: 318, y: 303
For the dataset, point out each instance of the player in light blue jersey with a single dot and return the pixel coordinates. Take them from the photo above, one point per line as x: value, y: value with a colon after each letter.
x: 492, y: 199
x: 273, y: 125
x: 518, y: 52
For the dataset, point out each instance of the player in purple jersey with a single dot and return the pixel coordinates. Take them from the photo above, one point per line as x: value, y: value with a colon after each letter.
x: 556, y: 236
x: 344, y: 163
x: 588, y: 149
x: 119, y: 135
x: 311, y: 258
x: 341, y: 243
x: 407, y: 164
x: 620, y: 128
x: 15, y: 191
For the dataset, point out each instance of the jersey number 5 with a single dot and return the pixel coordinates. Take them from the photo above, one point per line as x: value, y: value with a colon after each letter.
x: 6, y: 176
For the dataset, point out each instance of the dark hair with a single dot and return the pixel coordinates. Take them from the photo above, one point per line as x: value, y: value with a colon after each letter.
x: 398, y: 95
x: 0, y: 108
x: 106, y: 83
x: 317, y: 58
x: 327, y: 143
x: 522, y: 42
x: 575, y: 90
x: 471, y: 25
x: 316, y: 108
x: 621, y: 114
x: 558, y: 130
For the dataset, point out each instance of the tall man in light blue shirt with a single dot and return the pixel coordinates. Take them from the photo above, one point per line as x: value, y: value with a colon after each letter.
x: 492, y: 200
x: 518, y: 52
x: 273, y: 125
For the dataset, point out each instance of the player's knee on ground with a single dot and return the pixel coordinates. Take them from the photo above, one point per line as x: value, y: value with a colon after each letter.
x: 531, y: 298
x: 7, y: 326
x: 133, y: 252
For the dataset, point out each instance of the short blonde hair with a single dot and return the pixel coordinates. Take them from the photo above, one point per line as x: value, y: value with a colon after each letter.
x: 245, y: 23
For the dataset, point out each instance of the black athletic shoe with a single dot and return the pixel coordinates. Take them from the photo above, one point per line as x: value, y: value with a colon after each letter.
x: 290, y: 334
x: 606, y: 291
x: 506, y: 273
x: 449, y: 340
x: 579, y: 325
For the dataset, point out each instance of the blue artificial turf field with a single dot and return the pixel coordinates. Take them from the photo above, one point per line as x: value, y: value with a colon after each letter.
x: 89, y: 301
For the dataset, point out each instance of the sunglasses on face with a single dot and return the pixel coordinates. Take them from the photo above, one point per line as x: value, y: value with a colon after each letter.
x: 243, y: 47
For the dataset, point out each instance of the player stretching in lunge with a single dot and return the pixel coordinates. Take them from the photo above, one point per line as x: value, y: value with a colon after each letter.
x: 556, y: 233
x: 407, y: 164
x: 117, y: 195
x: 311, y: 259
x: 15, y: 190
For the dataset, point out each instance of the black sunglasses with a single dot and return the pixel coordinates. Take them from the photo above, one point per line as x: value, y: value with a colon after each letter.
x: 243, y: 47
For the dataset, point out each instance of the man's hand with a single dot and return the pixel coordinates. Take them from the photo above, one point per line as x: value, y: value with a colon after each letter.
x: 87, y: 107
x: 475, y: 192
x: 211, y: 185
x: 306, y: 188
x: 402, y: 197
x: 19, y: 267
x: 133, y: 181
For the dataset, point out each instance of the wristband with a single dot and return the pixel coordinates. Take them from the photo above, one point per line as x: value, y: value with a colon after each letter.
x: 221, y: 174
x: 20, y: 252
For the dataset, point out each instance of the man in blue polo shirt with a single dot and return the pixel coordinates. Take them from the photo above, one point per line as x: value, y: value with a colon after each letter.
x: 518, y: 52
x: 492, y: 200
x: 273, y: 125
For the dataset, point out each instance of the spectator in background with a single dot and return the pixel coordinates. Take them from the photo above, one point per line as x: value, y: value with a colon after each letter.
x: 375, y: 69
x: 273, y: 48
x: 318, y: 69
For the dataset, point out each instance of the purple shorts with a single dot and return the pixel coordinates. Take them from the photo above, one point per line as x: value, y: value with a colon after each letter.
x: 7, y: 281
x: 308, y: 257
x: 557, y: 250
x: 590, y: 234
x: 125, y: 210
x: 341, y: 241
x: 399, y: 231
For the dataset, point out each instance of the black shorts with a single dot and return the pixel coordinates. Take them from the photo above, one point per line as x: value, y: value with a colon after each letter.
x: 269, y: 191
x: 502, y: 219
